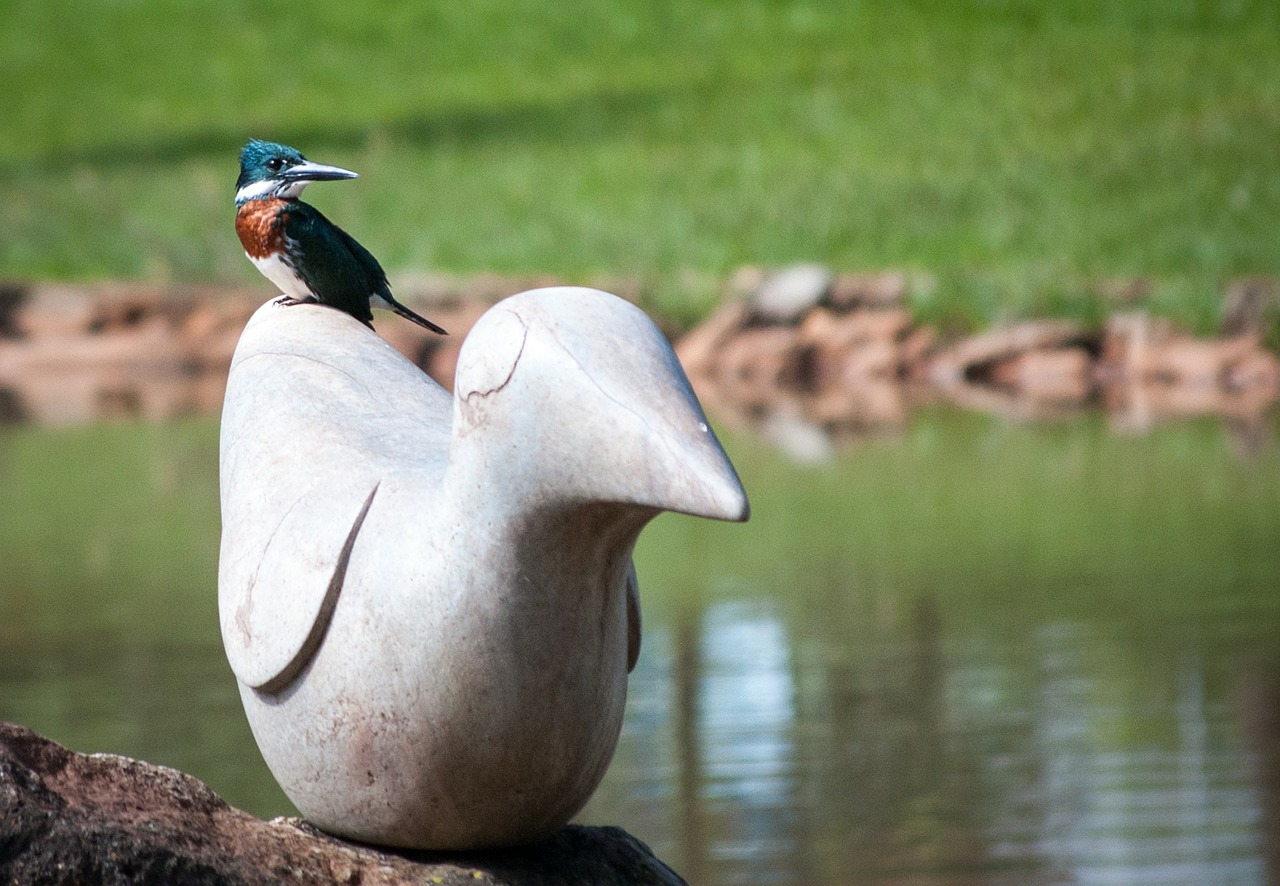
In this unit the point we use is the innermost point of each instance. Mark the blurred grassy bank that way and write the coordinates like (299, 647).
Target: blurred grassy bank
(1016, 152)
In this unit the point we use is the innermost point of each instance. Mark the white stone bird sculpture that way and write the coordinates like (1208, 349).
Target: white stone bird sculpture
(427, 600)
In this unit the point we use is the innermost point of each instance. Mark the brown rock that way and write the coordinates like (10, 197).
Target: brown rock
(54, 311)
(71, 396)
(954, 364)
(915, 349)
(1259, 369)
(1136, 408)
(433, 291)
(826, 329)
(855, 346)
(872, 360)
(1127, 340)
(870, 405)
(1060, 374)
(1137, 348)
(1246, 304)
(12, 297)
(1010, 404)
(850, 291)
(1198, 362)
(68, 818)
(699, 350)
(116, 311)
(762, 356)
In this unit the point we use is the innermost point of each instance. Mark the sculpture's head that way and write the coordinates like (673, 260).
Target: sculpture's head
(581, 390)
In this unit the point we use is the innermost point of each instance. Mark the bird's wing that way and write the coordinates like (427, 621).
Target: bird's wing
(375, 277)
(340, 271)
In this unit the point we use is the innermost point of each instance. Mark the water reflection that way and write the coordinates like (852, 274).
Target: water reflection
(813, 427)
(744, 750)
(926, 761)
(1177, 810)
(978, 654)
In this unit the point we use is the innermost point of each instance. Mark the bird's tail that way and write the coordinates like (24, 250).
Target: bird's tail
(400, 309)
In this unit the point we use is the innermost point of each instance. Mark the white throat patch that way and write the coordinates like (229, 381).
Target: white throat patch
(270, 187)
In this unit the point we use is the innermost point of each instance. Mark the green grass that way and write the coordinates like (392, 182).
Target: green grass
(1012, 149)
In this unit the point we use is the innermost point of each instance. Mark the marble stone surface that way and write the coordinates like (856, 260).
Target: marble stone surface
(428, 600)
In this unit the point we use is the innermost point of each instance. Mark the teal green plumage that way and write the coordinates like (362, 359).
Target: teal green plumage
(336, 268)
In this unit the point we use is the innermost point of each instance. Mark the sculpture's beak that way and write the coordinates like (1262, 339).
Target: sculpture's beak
(690, 472)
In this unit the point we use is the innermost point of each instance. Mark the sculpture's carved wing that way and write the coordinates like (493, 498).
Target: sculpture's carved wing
(308, 434)
(276, 594)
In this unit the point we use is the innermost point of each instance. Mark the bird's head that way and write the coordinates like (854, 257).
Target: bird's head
(578, 394)
(268, 169)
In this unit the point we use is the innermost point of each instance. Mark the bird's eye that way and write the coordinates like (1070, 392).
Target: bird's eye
(274, 164)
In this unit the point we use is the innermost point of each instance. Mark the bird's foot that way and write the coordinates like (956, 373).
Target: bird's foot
(288, 301)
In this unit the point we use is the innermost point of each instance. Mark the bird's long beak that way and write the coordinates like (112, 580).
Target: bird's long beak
(315, 172)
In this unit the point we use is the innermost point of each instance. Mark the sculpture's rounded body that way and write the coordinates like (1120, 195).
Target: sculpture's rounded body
(479, 712)
(429, 602)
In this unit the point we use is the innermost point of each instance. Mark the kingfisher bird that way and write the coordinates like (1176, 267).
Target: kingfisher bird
(299, 250)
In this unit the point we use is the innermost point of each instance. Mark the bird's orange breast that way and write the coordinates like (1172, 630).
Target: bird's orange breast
(260, 226)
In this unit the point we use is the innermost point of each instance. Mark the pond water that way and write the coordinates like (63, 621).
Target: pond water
(976, 653)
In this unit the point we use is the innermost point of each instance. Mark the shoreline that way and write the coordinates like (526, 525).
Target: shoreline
(839, 355)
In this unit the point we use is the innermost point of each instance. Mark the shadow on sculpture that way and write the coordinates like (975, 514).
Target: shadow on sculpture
(428, 600)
